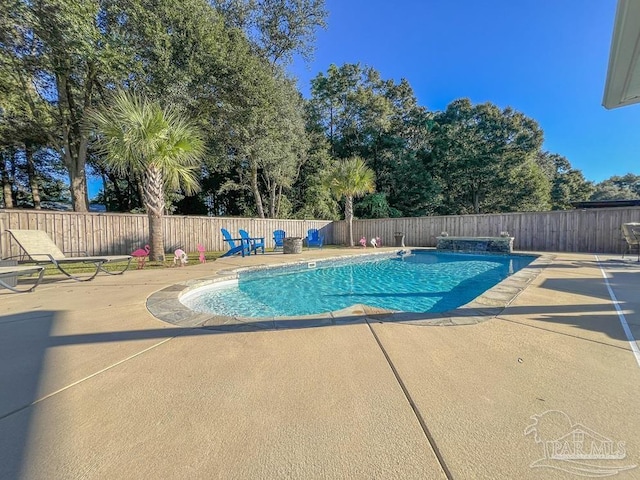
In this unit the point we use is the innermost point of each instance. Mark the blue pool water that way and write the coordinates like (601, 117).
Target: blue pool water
(422, 281)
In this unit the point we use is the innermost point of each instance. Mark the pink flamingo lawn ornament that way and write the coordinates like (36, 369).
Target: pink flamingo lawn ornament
(180, 256)
(201, 250)
(141, 254)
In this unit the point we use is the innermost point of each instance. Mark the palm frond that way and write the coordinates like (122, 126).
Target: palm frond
(136, 134)
(351, 178)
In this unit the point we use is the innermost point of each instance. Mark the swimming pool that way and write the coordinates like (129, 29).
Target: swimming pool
(422, 281)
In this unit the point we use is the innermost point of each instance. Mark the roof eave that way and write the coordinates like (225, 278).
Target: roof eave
(622, 73)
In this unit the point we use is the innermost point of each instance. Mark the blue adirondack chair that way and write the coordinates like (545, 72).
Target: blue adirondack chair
(314, 239)
(240, 247)
(254, 242)
(278, 239)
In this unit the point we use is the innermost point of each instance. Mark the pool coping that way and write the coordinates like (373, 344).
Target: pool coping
(165, 304)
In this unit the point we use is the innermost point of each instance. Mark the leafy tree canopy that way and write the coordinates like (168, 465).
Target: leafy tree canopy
(278, 29)
(626, 187)
(483, 159)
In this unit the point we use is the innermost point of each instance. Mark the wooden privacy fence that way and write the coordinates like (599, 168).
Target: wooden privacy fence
(113, 234)
(588, 231)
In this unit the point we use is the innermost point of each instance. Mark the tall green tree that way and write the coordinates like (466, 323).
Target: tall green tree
(29, 170)
(25, 118)
(567, 184)
(350, 106)
(278, 29)
(380, 121)
(69, 55)
(178, 53)
(416, 192)
(267, 143)
(160, 145)
(181, 54)
(484, 159)
(351, 178)
(57, 52)
(375, 205)
(287, 145)
(251, 114)
(625, 187)
(310, 195)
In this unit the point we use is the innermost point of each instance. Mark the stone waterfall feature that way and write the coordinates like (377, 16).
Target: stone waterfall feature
(475, 244)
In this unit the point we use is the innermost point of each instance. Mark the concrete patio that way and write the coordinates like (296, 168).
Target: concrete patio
(93, 386)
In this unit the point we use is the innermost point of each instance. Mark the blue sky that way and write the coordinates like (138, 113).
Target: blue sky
(545, 58)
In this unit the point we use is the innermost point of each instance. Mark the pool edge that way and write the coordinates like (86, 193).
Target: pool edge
(165, 304)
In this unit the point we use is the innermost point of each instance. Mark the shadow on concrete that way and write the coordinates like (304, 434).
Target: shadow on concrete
(24, 340)
(577, 286)
(603, 321)
(26, 337)
(591, 288)
(600, 317)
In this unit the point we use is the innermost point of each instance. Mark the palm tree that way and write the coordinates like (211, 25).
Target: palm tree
(161, 145)
(351, 178)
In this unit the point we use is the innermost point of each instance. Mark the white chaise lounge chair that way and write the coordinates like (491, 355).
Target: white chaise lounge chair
(40, 249)
(9, 274)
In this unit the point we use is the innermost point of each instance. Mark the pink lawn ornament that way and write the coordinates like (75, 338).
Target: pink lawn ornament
(180, 256)
(201, 250)
(141, 254)
(363, 242)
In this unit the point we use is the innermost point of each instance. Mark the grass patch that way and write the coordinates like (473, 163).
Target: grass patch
(76, 268)
(80, 268)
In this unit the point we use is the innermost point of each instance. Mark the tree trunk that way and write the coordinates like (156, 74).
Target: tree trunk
(348, 215)
(33, 180)
(272, 200)
(78, 185)
(122, 200)
(107, 198)
(256, 190)
(154, 201)
(75, 141)
(476, 202)
(331, 128)
(278, 204)
(139, 183)
(6, 183)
